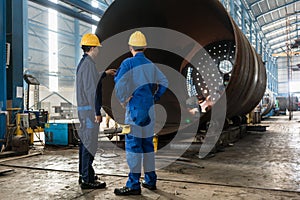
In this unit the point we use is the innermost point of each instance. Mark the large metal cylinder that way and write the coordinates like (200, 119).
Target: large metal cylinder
(206, 22)
(268, 103)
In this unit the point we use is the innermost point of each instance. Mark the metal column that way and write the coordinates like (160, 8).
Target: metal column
(77, 42)
(15, 29)
(2, 68)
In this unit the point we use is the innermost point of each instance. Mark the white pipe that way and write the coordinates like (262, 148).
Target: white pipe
(6, 114)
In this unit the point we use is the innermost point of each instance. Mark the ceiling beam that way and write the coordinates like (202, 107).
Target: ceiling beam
(274, 22)
(284, 54)
(294, 32)
(85, 7)
(66, 11)
(275, 9)
(283, 28)
(255, 2)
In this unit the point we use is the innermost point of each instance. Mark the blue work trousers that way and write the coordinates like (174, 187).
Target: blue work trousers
(88, 134)
(140, 150)
(86, 170)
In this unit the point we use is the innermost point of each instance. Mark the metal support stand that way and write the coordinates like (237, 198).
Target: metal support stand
(289, 53)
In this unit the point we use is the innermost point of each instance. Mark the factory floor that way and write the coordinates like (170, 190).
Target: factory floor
(261, 165)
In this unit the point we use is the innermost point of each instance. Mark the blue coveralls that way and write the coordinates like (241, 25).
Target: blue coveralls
(87, 79)
(139, 77)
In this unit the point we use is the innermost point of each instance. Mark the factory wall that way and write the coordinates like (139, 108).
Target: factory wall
(53, 54)
(283, 75)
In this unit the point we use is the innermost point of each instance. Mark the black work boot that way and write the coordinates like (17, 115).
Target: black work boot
(80, 179)
(94, 185)
(150, 187)
(124, 191)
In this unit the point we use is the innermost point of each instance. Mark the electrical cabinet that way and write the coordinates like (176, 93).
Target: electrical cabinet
(61, 134)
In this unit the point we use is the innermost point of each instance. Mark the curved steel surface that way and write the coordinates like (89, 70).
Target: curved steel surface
(209, 24)
(267, 103)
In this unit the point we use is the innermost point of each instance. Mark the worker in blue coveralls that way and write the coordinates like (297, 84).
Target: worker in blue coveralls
(139, 83)
(89, 102)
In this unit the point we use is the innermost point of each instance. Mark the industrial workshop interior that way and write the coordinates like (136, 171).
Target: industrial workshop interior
(209, 108)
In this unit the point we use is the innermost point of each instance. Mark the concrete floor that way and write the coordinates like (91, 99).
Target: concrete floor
(261, 165)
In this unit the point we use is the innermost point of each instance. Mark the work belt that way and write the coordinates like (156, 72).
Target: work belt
(82, 108)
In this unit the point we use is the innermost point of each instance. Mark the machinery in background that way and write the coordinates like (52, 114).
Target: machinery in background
(20, 136)
(222, 47)
(282, 104)
(66, 134)
(293, 103)
(66, 110)
(61, 134)
(285, 105)
(17, 139)
(20, 133)
(269, 105)
(32, 120)
(210, 48)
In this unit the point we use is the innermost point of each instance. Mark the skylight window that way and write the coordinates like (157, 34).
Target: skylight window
(53, 49)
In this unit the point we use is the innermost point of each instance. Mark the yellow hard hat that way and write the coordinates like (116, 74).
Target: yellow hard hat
(90, 39)
(137, 39)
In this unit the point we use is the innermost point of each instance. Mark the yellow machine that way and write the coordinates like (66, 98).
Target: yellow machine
(20, 135)
(16, 138)
(28, 121)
